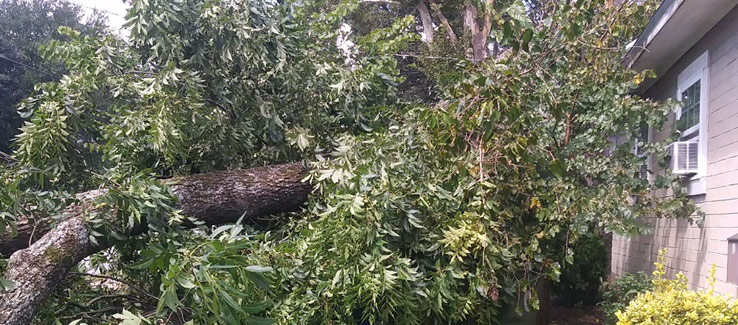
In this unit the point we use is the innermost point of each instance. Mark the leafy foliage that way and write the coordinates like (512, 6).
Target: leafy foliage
(422, 213)
(215, 272)
(617, 294)
(476, 199)
(671, 302)
(204, 86)
(580, 281)
(24, 25)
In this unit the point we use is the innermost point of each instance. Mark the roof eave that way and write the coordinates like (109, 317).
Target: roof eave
(676, 27)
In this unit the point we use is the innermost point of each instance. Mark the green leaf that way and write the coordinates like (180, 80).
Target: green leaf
(259, 269)
(141, 264)
(573, 31)
(507, 30)
(257, 307)
(558, 168)
(128, 318)
(185, 282)
(259, 280)
(229, 300)
(6, 284)
(527, 36)
(170, 298)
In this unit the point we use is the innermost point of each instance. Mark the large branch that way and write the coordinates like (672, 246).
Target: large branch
(191, 190)
(29, 230)
(479, 32)
(425, 18)
(449, 30)
(214, 198)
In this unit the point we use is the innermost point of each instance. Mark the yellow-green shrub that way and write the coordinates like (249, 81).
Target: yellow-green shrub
(671, 302)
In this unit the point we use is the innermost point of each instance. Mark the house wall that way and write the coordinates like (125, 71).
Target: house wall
(693, 249)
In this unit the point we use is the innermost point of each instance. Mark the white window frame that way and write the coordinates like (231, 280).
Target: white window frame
(698, 70)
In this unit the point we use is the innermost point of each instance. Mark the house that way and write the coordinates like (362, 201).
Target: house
(692, 45)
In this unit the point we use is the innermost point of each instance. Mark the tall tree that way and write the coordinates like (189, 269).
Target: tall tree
(24, 26)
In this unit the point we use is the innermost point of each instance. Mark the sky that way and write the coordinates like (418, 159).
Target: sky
(114, 9)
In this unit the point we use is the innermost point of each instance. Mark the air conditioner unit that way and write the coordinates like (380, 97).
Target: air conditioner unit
(684, 157)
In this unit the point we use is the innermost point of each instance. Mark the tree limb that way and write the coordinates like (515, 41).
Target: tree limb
(213, 198)
(6, 158)
(106, 277)
(479, 33)
(425, 18)
(208, 197)
(449, 30)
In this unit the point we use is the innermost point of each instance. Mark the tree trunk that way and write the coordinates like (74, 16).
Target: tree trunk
(543, 317)
(227, 197)
(29, 231)
(425, 18)
(213, 198)
(478, 28)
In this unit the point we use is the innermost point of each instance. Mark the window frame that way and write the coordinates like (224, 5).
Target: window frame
(682, 88)
(698, 70)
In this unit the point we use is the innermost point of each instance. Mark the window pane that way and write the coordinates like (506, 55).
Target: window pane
(642, 138)
(691, 107)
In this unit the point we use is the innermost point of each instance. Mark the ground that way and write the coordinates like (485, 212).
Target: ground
(584, 315)
(587, 315)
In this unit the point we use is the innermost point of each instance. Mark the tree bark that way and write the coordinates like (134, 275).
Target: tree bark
(479, 29)
(543, 317)
(213, 198)
(209, 197)
(449, 30)
(29, 230)
(425, 18)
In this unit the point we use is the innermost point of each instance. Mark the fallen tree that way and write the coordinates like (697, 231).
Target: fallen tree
(28, 230)
(213, 198)
(428, 214)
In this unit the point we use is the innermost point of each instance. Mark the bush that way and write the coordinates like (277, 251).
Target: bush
(579, 282)
(671, 302)
(616, 295)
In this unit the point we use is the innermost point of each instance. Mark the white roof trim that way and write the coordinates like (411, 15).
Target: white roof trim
(675, 28)
(657, 22)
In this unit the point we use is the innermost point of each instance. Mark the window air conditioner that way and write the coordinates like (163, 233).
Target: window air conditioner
(684, 157)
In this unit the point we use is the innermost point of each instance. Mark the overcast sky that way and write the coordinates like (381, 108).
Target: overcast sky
(114, 9)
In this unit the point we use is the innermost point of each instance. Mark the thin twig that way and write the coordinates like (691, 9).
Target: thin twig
(29, 67)
(380, 1)
(114, 296)
(8, 159)
(403, 55)
(100, 276)
(89, 314)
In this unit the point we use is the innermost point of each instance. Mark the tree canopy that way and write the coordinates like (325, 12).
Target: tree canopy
(444, 186)
(24, 25)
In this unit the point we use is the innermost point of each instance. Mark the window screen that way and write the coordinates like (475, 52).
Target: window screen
(691, 107)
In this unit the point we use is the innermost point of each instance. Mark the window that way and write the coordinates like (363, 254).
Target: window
(692, 91)
(642, 139)
(690, 117)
